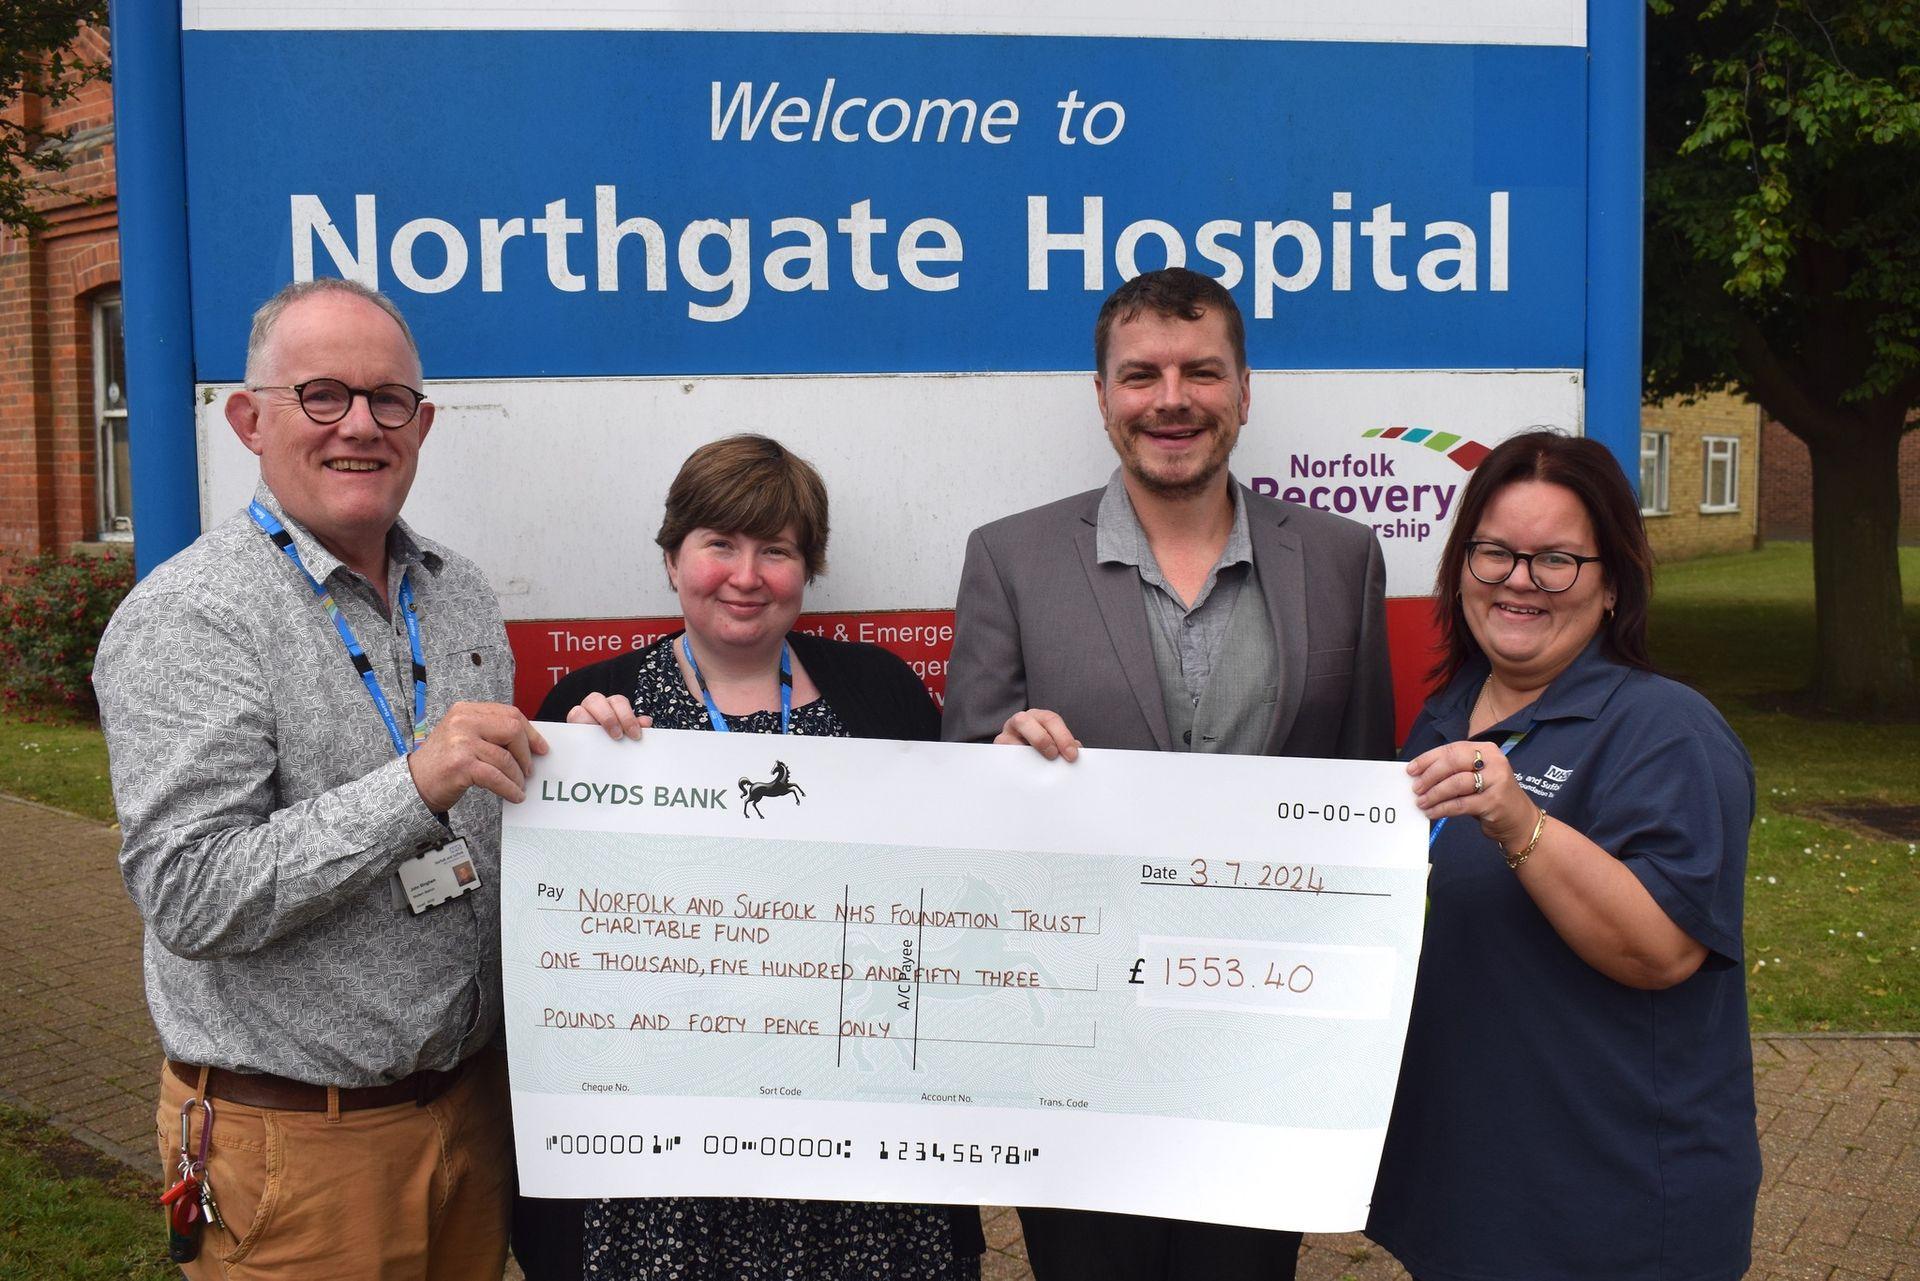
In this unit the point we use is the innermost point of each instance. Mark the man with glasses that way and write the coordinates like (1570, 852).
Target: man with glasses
(309, 722)
(1173, 610)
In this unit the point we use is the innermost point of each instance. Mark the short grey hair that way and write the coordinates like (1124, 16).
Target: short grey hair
(273, 308)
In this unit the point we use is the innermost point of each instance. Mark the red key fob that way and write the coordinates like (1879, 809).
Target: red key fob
(183, 1220)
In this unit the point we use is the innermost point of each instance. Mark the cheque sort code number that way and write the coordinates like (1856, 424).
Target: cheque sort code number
(1232, 972)
(1300, 811)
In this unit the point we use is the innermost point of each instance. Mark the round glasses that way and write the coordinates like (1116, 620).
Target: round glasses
(1493, 564)
(327, 400)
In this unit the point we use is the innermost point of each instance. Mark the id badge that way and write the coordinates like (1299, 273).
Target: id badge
(431, 879)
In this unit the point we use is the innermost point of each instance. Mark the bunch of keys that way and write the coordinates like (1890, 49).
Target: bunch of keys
(189, 1202)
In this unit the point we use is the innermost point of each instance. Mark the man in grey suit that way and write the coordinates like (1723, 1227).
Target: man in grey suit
(1173, 610)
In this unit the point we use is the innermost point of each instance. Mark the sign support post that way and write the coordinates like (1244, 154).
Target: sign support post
(1616, 147)
(150, 154)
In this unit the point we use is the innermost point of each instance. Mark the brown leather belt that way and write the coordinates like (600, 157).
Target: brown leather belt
(279, 1094)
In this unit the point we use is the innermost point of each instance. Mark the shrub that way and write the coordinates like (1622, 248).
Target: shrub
(52, 611)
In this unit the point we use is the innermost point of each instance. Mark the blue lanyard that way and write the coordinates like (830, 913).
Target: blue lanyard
(713, 709)
(1506, 749)
(277, 532)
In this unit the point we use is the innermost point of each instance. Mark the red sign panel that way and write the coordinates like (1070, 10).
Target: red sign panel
(547, 649)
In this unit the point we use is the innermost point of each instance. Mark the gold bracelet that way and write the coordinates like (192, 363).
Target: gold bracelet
(1515, 860)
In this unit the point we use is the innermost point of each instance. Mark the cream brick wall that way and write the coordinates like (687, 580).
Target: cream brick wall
(1684, 531)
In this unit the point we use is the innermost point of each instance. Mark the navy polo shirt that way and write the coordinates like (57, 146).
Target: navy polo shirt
(1551, 1123)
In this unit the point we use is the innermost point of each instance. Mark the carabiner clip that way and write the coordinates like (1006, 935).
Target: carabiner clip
(197, 1162)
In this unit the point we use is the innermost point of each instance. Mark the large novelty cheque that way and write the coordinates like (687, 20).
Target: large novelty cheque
(1147, 982)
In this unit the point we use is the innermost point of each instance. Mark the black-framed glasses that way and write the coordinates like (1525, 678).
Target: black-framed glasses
(1493, 564)
(327, 400)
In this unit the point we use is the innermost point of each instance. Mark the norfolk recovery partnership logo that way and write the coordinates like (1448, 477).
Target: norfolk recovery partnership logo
(1404, 493)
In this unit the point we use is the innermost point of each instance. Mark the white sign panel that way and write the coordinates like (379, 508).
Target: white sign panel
(1453, 21)
(911, 464)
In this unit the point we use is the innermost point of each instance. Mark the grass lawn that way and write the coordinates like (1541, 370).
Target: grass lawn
(57, 762)
(1831, 909)
(68, 1212)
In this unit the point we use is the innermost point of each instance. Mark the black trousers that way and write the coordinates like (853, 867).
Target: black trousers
(549, 1236)
(1080, 1245)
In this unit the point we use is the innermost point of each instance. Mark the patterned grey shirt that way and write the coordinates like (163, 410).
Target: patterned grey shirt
(264, 810)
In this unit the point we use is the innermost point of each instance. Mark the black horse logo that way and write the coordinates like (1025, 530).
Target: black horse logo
(781, 784)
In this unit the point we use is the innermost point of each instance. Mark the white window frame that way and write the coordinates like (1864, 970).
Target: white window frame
(115, 526)
(1715, 450)
(1655, 447)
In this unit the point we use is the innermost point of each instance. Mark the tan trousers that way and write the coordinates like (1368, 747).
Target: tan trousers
(402, 1193)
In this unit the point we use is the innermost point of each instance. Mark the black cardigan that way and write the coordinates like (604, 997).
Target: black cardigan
(875, 694)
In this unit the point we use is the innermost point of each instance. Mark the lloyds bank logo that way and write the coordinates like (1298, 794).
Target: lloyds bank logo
(781, 784)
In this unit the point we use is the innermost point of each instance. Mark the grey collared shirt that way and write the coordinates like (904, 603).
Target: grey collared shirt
(264, 809)
(1215, 657)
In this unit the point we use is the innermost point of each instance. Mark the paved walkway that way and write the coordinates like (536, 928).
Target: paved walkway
(1839, 1116)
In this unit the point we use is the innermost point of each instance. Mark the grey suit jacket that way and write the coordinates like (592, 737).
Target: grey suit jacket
(1041, 623)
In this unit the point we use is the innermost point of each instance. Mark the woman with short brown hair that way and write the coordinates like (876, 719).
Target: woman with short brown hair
(745, 532)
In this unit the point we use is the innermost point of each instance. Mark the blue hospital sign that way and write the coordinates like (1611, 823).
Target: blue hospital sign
(620, 203)
(622, 230)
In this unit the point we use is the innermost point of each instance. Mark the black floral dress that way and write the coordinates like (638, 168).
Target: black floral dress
(743, 1238)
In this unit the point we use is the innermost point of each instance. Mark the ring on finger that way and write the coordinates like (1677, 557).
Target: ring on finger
(1479, 763)
(1479, 782)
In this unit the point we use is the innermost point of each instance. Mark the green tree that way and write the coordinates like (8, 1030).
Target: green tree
(1783, 258)
(39, 62)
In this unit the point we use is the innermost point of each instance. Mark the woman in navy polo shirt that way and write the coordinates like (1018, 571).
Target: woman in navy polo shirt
(1576, 1099)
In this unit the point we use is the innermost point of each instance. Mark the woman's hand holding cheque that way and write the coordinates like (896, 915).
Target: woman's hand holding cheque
(1474, 780)
(613, 714)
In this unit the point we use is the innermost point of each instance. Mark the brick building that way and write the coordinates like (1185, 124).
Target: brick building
(1786, 486)
(63, 470)
(1700, 468)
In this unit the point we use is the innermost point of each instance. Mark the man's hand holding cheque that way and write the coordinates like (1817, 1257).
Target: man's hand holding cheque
(486, 745)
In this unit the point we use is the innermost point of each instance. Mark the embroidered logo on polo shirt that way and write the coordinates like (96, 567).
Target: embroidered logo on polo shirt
(1546, 786)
